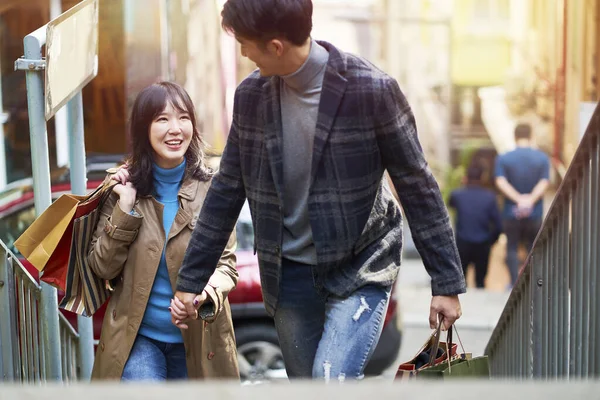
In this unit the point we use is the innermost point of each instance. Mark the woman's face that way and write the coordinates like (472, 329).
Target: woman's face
(170, 135)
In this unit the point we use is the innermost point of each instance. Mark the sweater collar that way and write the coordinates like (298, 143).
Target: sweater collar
(170, 175)
(306, 77)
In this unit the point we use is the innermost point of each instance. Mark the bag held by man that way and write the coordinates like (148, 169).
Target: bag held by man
(431, 353)
(439, 360)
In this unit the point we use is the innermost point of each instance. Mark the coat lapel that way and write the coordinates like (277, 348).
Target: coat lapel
(187, 194)
(334, 87)
(273, 132)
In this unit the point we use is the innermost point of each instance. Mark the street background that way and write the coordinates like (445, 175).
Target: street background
(471, 70)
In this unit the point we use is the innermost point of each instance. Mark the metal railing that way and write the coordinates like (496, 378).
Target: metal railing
(23, 335)
(550, 326)
(69, 339)
(21, 331)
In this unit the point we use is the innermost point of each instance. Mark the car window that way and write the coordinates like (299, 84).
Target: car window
(244, 229)
(245, 235)
(13, 225)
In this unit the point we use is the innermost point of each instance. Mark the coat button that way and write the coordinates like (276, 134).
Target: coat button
(211, 355)
(114, 314)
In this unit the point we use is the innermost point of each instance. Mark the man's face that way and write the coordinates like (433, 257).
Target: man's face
(264, 55)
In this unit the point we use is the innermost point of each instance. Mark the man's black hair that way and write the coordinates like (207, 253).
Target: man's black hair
(263, 20)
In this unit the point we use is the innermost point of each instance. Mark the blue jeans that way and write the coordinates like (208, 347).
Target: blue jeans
(151, 360)
(519, 231)
(325, 336)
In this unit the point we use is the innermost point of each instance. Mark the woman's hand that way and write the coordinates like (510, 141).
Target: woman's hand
(127, 195)
(122, 175)
(184, 306)
(124, 189)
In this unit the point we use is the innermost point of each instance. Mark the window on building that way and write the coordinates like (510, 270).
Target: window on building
(490, 15)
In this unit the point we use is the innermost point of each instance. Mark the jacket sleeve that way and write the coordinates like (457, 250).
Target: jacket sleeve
(114, 233)
(418, 191)
(225, 277)
(217, 218)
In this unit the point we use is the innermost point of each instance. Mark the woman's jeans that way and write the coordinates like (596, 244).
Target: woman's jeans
(326, 337)
(151, 360)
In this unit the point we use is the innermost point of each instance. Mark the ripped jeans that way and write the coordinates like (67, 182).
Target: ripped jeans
(328, 338)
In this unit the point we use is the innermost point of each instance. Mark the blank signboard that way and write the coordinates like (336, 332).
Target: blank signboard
(71, 54)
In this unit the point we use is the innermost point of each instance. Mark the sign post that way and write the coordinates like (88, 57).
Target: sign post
(71, 63)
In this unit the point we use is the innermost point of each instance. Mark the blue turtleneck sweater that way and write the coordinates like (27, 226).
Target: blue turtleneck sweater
(156, 323)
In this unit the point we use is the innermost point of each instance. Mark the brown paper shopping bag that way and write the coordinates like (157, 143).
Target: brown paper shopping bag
(46, 243)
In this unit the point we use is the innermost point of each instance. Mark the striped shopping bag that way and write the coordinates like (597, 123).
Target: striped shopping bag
(85, 292)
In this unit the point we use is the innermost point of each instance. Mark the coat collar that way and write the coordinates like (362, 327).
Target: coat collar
(187, 194)
(332, 92)
(188, 189)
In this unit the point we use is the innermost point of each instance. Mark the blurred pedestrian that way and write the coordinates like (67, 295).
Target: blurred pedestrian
(141, 237)
(478, 223)
(313, 131)
(522, 175)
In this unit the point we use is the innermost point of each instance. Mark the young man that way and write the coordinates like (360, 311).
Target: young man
(478, 223)
(313, 131)
(522, 176)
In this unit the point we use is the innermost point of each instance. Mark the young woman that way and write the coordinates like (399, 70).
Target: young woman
(141, 239)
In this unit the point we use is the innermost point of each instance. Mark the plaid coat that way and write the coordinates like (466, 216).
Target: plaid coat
(364, 127)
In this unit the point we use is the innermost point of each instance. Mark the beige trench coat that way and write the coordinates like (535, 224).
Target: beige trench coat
(129, 248)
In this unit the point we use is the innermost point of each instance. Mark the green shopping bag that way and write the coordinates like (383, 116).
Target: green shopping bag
(463, 367)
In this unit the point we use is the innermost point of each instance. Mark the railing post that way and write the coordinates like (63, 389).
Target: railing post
(79, 186)
(536, 285)
(41, 183)
(595, 260)
(7, 327)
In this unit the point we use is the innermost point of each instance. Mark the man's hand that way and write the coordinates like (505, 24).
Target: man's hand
(524, 206)
(446, 308)
(185, 306)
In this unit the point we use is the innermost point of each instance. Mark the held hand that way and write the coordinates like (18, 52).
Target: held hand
(184, 306)
(127, 195)
(447, 307)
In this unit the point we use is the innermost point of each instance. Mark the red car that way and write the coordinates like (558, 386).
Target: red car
(258, 348)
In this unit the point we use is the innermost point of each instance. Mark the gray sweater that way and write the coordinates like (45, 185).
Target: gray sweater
(300, 95)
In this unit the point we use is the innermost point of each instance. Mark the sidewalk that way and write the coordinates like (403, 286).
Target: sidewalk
(481, 307)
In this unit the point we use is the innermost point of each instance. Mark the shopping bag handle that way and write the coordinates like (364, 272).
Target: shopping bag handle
(105, 188)
(436, 345)
(436, 342)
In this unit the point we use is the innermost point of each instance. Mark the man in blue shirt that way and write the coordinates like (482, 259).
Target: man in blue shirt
(478, 224)
(522, 175)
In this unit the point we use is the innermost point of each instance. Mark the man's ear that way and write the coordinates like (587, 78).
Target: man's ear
(277, 47)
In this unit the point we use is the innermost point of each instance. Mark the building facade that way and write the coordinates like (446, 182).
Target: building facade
(140, 42)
